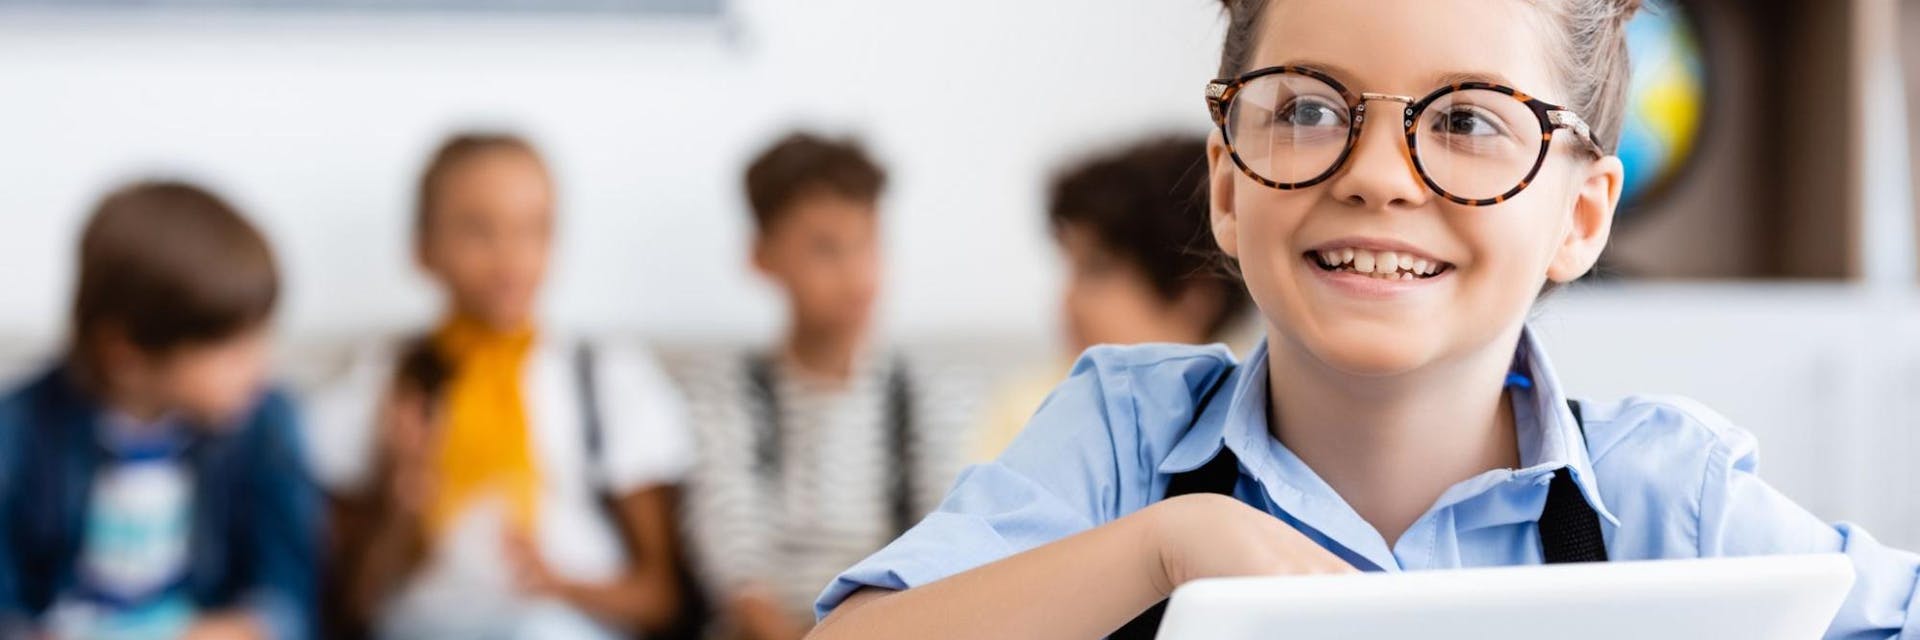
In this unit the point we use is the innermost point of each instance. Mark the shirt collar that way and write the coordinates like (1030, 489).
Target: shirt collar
(1550, 439)
(1554, 439)
(1203, 441)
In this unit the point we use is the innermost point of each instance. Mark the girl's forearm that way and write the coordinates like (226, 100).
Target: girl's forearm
(389, 555)
(639, 601)
(1084, 586)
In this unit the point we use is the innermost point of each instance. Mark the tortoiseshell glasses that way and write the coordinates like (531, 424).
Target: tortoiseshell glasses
(1474, 143)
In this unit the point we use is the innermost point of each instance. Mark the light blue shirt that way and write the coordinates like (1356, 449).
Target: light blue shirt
(1667, 477)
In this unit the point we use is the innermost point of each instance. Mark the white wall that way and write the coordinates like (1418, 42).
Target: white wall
(317, 125)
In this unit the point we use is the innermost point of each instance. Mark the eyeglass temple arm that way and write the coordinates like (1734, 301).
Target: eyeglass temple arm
(1571, 120)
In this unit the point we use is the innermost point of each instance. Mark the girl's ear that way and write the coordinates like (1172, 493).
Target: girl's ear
(1597, 194)
(1220, 179)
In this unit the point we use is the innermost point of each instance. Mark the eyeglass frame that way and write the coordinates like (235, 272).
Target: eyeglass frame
(1221, 91)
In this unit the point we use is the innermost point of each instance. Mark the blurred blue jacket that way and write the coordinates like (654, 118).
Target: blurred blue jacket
(256, 521)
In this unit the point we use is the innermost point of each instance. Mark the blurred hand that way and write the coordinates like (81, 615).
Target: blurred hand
(530, 572)
(1209, 536)
(227, 626)
(408, 438)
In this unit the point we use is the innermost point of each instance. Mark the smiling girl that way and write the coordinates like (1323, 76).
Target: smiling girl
(1398, 181)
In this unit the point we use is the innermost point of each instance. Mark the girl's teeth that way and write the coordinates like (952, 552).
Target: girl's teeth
(1386, 265)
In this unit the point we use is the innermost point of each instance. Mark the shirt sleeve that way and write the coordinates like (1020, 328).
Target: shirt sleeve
(1742, 515)
(646, 422)
(1058, 478)
(286, 527)
(13, 613)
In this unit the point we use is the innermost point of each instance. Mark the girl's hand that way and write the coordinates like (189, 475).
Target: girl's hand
(226, 626)
(409, 438)
(530, 572)
(1210, 536)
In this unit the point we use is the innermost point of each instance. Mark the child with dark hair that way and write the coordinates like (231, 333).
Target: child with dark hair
(149, 486)
(817, 451)
(1139, 264)
(1131, 224)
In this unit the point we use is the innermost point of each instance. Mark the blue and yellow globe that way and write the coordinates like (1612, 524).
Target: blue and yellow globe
(1666, 100)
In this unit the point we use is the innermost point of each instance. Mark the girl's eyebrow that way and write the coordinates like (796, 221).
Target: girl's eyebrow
(1340, 73)
(1457, 77)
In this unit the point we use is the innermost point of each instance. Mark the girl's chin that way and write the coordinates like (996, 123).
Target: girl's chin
(1373, 353)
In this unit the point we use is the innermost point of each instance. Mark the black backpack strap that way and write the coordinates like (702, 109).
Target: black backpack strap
(767, 433)
(899, 417)
(592, 429)
(690, 621)
(1219, 475)
(765, 425)
(1569, 528)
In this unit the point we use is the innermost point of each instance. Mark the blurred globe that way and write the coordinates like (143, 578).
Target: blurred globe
(1665, 100)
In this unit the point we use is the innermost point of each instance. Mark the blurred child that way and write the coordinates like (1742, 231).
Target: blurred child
(817, 451)
(149, 486)
(530, 496)
(1131, 226)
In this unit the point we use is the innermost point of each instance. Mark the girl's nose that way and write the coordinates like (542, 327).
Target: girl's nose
(1380, 172)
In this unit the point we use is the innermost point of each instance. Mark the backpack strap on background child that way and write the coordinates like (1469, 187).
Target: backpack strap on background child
(1569, 527)
(768, 432)
(695, 610)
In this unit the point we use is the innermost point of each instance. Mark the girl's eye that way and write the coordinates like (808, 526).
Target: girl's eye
(1467, 122)
(1311, 112)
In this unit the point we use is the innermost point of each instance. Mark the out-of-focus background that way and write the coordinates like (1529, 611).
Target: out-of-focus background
(1766, 265)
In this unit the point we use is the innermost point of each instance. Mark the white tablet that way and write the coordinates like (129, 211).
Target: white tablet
(1785, 597)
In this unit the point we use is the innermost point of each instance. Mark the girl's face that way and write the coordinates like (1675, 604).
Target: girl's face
(1494, 259)
(488, 239)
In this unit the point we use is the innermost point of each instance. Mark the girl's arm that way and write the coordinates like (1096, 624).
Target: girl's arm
(647, 596)
(1089, 584)
(379, 559)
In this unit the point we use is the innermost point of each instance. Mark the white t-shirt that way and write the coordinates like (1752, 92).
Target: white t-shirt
(465, 584)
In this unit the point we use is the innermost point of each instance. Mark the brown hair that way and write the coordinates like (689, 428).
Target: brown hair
(1587, 39)
(171, 265)
(456, 150)
(804, 164)
(1146, 203)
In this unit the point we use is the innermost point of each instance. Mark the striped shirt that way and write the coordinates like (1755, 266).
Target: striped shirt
(827, 500)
